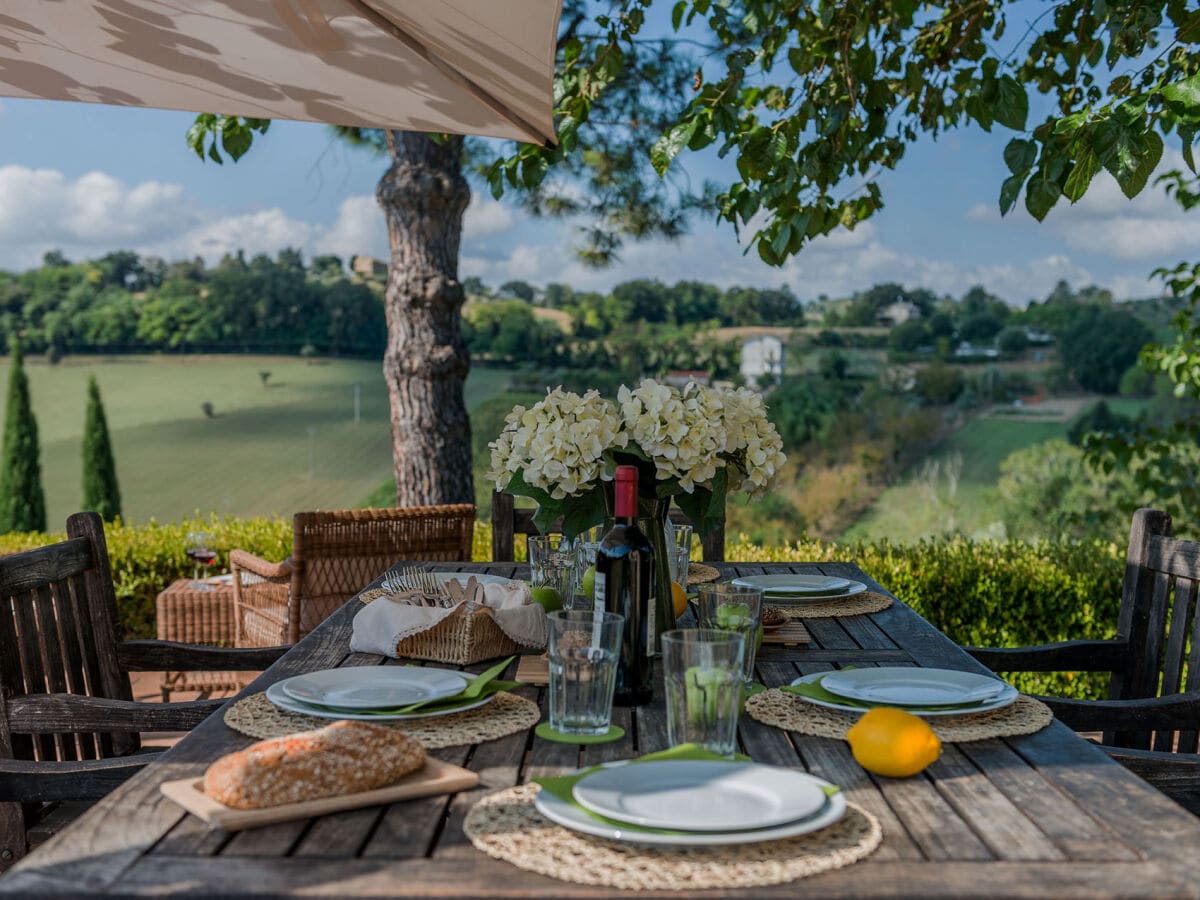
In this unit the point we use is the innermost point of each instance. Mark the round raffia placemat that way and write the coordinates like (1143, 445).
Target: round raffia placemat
(699, 573)
(858, 605)
(793, 713)
(256, 717)
(506, 826)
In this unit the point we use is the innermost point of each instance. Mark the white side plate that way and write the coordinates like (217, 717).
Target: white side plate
(698, 795)
(1006, 698)
(576, 819)
(913, 687)
(802, 588)
(374, 687)
(276, 695)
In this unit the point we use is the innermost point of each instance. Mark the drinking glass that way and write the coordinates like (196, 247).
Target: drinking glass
(584, 650)
(702, 673)
(552, 566)
(733, 607)
(587, 543)
(198, 547)
(679, 552)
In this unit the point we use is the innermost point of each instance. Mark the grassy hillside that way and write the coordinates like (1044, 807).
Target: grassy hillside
(290, 445)
(930, 502)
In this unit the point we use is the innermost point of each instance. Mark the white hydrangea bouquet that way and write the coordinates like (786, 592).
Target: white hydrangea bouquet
(694, 446)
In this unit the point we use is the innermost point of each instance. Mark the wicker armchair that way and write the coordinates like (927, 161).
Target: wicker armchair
(334, 556)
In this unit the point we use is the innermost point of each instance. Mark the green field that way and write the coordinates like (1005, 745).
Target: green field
(291, 445)
(924, 506)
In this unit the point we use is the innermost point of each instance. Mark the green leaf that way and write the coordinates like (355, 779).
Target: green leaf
(1011, 106)
(677, 14)
(1132, 179)
(1085, 169)
(667, 147)
(1187, 134)
(1020, 155)
(236, 141)
(1010, 191)
(1183, 97)
(1040, 196)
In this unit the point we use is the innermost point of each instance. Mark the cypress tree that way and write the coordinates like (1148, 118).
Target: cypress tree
(100, 490)
(22, 502)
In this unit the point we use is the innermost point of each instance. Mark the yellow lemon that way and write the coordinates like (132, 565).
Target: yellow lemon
(678, 598)
(892, 742)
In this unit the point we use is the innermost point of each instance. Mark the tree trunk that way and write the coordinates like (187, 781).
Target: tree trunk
(424, 195)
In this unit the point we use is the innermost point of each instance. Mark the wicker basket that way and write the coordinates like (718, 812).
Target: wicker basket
(461, 638)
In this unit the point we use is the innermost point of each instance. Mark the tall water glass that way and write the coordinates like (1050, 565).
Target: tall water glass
(733, 607)
(702, 673)
(552, 568)
(584, 650)
(679, 552)
(587, 542)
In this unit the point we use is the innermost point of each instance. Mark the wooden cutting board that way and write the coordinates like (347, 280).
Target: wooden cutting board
(436, 777)
(534, 669)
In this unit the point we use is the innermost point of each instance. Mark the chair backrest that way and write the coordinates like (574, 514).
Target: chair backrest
(335, 554)
(508, 521)
(1159, 622)
(58, 634)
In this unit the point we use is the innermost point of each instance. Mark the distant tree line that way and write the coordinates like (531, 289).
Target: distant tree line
(123, 302)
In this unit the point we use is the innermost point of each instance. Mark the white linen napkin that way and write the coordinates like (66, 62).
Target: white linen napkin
(383, 623)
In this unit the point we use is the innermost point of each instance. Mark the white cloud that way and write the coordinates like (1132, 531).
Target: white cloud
(265, 231)
(358, 230)
(486, 216)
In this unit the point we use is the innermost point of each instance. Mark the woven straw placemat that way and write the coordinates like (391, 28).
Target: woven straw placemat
(699, 573)
(256, 717)
(858, 605)
(506, 826)
(793, 713)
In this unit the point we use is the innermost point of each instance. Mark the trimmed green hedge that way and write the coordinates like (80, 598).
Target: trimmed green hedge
(978, 592)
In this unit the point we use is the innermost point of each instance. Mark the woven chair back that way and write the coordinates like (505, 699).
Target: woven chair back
(59, 635)
(338, 553)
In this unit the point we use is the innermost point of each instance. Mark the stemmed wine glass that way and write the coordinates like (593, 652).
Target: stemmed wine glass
(200, 551)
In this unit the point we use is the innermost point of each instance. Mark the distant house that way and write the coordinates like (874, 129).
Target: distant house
(897, 313)
(680, 378)
(367, 266)
(1038, 337)
(967, 349)
(762, 356)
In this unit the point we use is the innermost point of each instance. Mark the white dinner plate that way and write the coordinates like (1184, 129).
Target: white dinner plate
(802, 588)
(1006, 698)
(374, 687)
(701, 795)
(570, 816)
(899, 686)
(276, 695)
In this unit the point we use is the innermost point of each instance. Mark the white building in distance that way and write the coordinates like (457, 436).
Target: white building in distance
(762, 355)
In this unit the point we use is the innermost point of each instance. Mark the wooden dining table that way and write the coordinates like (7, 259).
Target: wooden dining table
(1045, 815)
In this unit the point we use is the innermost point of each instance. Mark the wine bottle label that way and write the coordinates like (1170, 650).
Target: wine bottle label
(598, 590)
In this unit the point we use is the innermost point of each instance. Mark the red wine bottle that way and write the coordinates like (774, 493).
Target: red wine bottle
(625, 585)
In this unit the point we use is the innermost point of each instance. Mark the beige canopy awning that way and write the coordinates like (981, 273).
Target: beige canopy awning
(464, 66)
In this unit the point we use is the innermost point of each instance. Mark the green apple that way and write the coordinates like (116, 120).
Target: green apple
(588, 583)
(547, 597)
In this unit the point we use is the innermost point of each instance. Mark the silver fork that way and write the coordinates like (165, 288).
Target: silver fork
(432, 588)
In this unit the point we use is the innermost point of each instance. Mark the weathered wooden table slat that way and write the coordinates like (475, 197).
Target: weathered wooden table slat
(1043, 815)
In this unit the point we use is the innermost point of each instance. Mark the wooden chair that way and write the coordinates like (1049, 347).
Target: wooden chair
(1151, 723)
(335, 555)
(68, 723)
(508, 521)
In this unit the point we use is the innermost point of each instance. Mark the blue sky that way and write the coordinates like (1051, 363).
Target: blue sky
(89, 179)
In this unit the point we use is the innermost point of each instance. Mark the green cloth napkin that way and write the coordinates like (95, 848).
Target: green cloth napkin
(563, 786)
(482, 685)
(814, 690)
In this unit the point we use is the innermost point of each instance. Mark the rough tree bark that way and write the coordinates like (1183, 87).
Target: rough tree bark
(424, 195)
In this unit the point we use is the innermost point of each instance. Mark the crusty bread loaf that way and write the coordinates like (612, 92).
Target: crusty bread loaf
(342, 758)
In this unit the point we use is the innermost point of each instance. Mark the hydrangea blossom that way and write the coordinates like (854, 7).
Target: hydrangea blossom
(558, 444)
(751, 442)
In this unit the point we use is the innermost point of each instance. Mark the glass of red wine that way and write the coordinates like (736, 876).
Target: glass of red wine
(200, 551)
